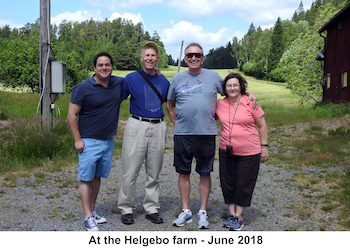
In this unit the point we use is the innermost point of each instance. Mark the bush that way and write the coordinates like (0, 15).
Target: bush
(277, 75)
(332, 109)
(26, 144)
(251, 69)
(341, 132)
(4, 113)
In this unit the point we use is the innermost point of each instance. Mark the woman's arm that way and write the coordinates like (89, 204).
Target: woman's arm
(261, 123)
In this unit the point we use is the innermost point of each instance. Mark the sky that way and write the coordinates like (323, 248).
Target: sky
(211, 23)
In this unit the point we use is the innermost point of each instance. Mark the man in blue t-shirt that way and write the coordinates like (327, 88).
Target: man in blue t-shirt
(144, 136)
(93, 120)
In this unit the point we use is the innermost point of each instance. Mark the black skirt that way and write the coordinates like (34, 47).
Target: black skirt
(238, 175)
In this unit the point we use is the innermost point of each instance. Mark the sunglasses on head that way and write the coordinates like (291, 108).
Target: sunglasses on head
(190, 55)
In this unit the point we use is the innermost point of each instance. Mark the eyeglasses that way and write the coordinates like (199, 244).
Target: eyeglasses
(232, 86)
(197, 55)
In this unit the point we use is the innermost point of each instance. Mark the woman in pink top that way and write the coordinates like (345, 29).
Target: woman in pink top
(242, 147)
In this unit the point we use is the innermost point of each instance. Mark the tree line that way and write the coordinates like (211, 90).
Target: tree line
(284, 53)
(74, 43)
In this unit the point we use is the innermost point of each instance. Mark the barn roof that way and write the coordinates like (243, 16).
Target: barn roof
(334, 18)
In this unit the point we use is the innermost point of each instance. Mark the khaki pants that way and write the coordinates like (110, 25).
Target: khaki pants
(143, 141)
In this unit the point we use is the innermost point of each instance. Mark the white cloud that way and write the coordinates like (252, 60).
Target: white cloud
(173, 35)
(186, 30)
(78, 16)
(253, 11)
(81, 16)
(135, 18)
(11, 24)
(264, 27)
(196, 8)
(116, 5)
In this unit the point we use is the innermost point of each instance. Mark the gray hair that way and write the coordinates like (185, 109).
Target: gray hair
(148, 47)
(194, 44)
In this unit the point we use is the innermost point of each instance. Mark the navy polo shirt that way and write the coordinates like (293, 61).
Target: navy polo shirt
(99, 114)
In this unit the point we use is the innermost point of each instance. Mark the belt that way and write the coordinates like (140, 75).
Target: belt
(151, 120)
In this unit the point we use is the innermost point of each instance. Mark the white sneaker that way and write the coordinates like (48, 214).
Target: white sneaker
(183, 219)
(98, 219)
(90, 224)
(203, 222)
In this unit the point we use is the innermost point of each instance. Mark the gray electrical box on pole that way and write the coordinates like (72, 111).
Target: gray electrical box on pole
(58, 77)
(45, 65)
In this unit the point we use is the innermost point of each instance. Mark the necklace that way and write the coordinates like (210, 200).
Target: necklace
(200, 78)
(230, 127)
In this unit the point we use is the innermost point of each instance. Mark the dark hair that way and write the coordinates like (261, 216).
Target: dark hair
(102, 54)
(242, 82)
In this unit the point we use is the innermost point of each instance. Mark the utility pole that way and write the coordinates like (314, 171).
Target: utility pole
(179, 63)
(45, 64)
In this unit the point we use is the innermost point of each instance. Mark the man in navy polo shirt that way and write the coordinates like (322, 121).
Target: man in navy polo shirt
(93, 120)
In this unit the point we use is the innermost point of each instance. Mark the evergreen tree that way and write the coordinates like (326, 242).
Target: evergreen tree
(277, 46)
(5, 32)
(123, 55)
(248, 44)
(300, 11)
(235, 51)
(171, 61)
(220, 58)
(261, 53)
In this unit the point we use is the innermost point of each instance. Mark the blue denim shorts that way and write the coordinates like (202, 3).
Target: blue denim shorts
(96, 159)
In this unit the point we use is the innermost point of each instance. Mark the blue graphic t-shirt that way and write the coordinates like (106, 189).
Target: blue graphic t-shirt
(144, 101)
